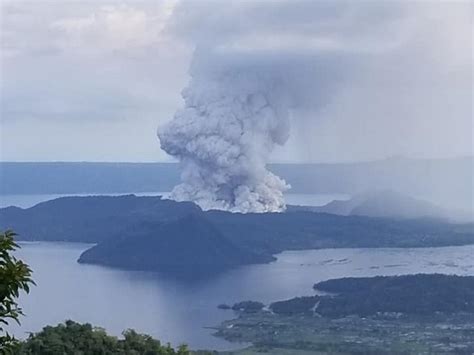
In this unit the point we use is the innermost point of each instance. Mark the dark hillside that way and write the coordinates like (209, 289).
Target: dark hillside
(89, 219)
(191, 243)
(409, 294)
(151, 227)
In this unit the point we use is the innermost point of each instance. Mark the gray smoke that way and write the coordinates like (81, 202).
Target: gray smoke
(237, 108)
(354, 79)
(242, 94)
(257, 67)
(232, 119)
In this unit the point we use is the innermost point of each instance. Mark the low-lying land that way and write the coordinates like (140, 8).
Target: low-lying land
(416, 314)
(149, 233)
(408, 294)
(275, 334)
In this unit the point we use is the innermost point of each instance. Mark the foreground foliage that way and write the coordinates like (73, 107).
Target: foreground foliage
(71, 338)
(15, 277)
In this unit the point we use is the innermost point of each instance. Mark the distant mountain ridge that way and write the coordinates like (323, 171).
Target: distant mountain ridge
(446, 182)
(388, 204)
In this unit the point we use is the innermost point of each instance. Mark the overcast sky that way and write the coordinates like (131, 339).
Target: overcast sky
(92, 80)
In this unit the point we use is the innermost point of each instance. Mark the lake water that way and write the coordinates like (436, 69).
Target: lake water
(178, 311)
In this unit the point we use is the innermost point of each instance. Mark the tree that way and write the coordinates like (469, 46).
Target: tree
(15, 277)
(71, 338)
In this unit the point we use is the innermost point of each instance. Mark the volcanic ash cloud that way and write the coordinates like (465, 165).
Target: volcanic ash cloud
(223, 137)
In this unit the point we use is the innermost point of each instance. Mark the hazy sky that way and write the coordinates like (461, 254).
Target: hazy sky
(92, 80)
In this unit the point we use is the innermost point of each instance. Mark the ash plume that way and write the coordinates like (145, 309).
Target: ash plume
(232, 119)
(348, 77)
(244, 89)
(237, 108)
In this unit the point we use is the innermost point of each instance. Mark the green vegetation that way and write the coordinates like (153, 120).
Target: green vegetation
(248, 306)
(297, 305)
(15, 277)
(412, 314)
(409, 294)
(421, 294)
(307, 334)
(71, 338)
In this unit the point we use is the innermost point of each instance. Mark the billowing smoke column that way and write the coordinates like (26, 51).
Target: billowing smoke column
(231, 121)
(335, 65)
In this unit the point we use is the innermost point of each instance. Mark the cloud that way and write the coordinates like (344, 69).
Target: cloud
(114, 27)
(385, 79)
(306, 24)
(75, 61)
(255, 63)
(392, 77)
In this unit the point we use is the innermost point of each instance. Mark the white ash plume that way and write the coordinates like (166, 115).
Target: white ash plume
(223, 137)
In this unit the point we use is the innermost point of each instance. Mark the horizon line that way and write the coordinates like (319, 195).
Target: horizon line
(392, 158)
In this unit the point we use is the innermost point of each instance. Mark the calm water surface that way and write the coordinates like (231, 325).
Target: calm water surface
(178, 310)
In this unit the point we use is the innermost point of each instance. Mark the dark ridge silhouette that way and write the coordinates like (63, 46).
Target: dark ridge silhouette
(191, 242)
(447, 182)
(421, 294)
(152, 229)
